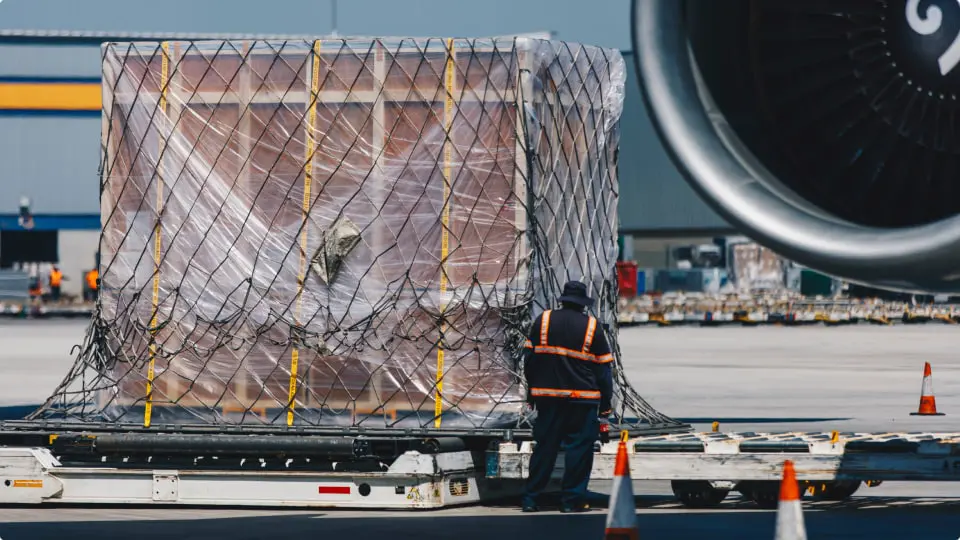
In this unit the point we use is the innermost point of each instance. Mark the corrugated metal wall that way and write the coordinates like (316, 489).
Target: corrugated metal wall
(53, 160)
(35, 60)
(654, 197)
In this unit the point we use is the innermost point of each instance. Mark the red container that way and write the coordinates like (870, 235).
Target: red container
(627, 278)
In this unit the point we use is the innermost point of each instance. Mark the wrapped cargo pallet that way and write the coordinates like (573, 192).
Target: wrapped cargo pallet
(757, 268)
(344, 232)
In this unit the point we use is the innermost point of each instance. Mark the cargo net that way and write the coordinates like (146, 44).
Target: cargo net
(345, 233)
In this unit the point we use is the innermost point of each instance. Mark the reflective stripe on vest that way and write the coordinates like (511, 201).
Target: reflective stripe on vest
(544, 327)
(557, 392)
(583, 354)
(570, 353)
(591, 330)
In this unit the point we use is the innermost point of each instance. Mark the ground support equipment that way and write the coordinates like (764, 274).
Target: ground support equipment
(705, 467)
(422, 469)
(76, 463)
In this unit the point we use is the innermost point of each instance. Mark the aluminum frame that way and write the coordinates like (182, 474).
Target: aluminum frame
(736, 457)
(413, 481)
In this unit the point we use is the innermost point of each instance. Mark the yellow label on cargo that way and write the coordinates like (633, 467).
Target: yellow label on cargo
(28, 483)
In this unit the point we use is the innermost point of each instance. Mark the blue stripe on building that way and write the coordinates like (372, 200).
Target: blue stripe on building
(6, 113)
(53, 222)
(48, 80)
(64, 41)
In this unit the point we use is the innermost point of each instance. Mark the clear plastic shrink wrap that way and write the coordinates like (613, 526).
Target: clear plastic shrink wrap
(758, 268)
(350, 232)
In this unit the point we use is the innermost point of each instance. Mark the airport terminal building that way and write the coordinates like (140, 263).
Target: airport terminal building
(50, 103)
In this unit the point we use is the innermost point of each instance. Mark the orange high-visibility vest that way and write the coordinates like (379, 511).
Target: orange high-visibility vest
(92, 277)
(56, 277)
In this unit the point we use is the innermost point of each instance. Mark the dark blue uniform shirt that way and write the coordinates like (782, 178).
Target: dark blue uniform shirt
(568, 358)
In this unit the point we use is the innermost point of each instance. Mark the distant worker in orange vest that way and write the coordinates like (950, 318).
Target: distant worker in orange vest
(56, 278)
(92, 277)
(36, 292)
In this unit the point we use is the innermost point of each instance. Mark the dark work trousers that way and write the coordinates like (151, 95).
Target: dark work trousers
(574, 427)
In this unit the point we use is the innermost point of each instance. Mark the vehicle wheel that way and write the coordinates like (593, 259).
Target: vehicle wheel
(766, 495)
(698, 493)
(839, 490)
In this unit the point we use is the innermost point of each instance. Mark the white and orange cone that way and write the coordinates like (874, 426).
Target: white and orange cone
(622, 516)
(928, 403)
(789, 511)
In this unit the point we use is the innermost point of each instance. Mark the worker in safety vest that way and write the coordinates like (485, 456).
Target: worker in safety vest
(570, 384)
(92, 277)
(56, 279)
(36, 292)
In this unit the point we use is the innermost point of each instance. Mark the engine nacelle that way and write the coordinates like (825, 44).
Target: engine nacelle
(826, 130)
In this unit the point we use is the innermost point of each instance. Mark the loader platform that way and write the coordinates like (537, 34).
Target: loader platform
(704, 467)
(419, 469)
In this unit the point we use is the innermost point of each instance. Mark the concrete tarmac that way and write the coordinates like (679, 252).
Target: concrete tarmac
(861, 378)
(854, 378)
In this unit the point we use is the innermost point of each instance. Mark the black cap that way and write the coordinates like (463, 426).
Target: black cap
(575, 292)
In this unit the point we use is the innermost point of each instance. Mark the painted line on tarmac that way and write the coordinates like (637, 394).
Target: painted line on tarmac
(752, 420)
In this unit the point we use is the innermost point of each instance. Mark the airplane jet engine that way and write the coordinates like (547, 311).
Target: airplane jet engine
(826, 130)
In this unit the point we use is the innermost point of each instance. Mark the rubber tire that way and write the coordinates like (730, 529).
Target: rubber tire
(840, 490)
(698, 493)
(766, 495)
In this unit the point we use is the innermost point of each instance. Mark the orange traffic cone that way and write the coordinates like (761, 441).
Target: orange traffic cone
(622, 516)
(928, 403)
(789, 511)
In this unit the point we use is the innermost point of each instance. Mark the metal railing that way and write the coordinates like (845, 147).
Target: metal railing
(14, 285)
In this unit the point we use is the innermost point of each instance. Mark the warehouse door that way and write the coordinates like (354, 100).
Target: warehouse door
(28, 247)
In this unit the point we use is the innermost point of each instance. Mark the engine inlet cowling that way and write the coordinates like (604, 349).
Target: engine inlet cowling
(827, 130)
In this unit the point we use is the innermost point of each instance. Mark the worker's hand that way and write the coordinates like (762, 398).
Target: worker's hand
(528, 408)
(604, 429)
